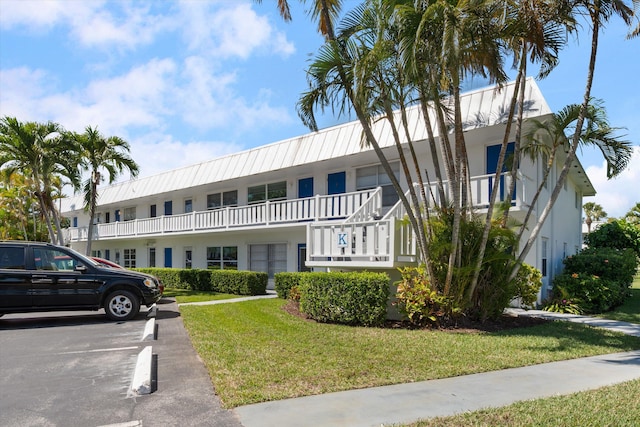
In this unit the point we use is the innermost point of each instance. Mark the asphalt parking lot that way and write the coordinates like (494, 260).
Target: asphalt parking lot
(76, 369)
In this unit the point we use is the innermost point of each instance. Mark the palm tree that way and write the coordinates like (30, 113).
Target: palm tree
(95, 154)
(593, 212)
(633, 216)
(35, 149)
(599, 13)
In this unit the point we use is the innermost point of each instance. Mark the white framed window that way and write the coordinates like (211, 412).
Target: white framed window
(188, 258)
(129, 258)
(129, 214)
(226, 198)
(222, 257)
(188, 205)
(374, 176)
(152, 257)
(263, 192)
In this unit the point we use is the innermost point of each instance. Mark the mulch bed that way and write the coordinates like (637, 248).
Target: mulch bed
(458, 325)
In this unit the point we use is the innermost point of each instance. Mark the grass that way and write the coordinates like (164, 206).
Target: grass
(184, 295)
(258, 352)
(630, 310)
(616, 405)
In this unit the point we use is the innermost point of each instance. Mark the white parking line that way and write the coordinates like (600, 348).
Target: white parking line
(99, 350)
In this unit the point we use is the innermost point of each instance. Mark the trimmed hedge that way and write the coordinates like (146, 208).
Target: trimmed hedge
(285, 281)
(348, 298)
(222, 281)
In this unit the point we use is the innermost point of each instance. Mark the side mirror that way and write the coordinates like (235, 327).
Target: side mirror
(81, 268)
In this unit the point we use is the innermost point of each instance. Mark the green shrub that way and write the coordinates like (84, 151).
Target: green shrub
(239, 282)
(591, 293)
(170, 277)
(347, 298)
(417, 300)
(617, 265)
(222, 281)
(620, 234)
(285, 281)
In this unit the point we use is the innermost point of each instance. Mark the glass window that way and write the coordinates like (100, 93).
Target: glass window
(217, 200)
(230, 198)
(222, 257)
(273, 191)
(257, 194)
(12, 258)
(188, 258)
(188, 206)
(52, 259)
(277, 190)
(213, 201)
(129, 258)
(153, 211)
(374, 176)
(129, 214)
(152, 257)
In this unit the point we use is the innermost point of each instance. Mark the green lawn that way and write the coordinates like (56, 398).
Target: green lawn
(184, 295)
(616, 405)
(258, 352)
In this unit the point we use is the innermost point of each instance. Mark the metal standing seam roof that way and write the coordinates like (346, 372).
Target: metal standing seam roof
(480, 108)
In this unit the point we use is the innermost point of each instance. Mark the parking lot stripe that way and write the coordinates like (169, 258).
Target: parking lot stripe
(99, 350)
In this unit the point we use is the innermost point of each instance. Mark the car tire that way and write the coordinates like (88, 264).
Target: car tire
(121, 305)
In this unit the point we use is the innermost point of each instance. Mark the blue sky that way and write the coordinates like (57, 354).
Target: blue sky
(188, 81)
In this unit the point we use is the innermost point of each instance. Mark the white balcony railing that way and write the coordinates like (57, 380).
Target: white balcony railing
(365, 241)
(316, 208)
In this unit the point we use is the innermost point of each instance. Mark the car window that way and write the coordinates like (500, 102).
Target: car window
(12, 258)
(52, 259)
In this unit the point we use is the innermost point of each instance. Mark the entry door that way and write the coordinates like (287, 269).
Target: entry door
(167, 257)
(337, 183)
(305, 188)
(269, 258)
(493, 152)
(168, 207)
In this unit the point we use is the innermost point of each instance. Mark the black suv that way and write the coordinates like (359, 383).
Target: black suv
(38, 276)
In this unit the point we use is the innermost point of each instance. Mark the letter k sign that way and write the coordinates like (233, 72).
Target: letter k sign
(343, 239)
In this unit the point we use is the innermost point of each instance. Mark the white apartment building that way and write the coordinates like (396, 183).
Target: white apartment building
(317, 201)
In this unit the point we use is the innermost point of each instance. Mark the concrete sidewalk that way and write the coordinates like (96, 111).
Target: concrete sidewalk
(406, 403)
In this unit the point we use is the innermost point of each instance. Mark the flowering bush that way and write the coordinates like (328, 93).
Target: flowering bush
(579, 292)
(618, 265)
(418, 301)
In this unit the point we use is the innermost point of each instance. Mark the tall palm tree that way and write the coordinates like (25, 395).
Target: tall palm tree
(35, 149)
(592, 212)
(97, 154)
(599, 12)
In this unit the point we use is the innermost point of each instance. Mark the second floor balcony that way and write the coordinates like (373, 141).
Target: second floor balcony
(269, 213)
(322, 211)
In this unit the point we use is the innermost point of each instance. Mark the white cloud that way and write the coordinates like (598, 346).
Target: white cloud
(36, 15)
(230, 30)
(156, 153)
(617, 195)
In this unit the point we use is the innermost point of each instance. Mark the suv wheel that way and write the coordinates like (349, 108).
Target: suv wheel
(121, 305)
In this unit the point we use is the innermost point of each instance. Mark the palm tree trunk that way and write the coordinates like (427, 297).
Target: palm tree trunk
(572, 150)
(495, 189)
